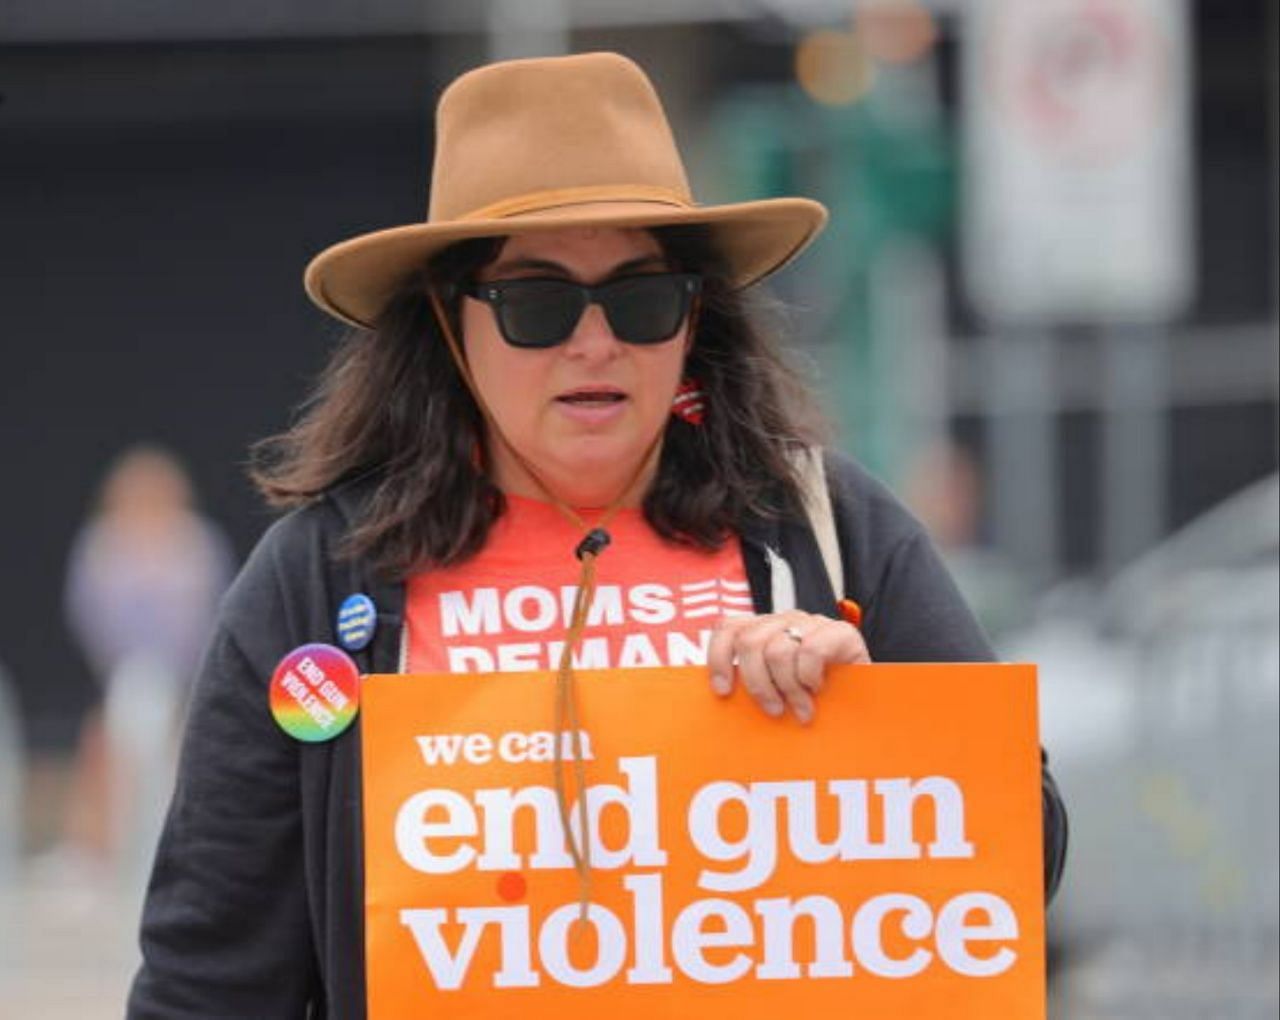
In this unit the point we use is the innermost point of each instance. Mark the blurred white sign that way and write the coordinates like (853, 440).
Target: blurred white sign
(1078, 200)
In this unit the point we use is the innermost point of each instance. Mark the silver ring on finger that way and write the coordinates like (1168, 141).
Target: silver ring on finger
(794, 633)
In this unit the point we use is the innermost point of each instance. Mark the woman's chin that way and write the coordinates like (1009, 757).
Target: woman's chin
(595, 473)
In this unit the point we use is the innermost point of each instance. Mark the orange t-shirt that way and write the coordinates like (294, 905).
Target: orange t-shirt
(507, 609)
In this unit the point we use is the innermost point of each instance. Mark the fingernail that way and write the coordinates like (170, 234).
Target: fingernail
(720, 683)
(773, 708)
(805, 715)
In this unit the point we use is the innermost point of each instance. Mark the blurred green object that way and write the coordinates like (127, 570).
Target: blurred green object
(885, 168)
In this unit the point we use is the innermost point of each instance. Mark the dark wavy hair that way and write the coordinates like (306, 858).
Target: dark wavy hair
(391, 403)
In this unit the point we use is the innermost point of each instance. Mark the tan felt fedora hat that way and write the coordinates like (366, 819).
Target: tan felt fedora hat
(540, 144)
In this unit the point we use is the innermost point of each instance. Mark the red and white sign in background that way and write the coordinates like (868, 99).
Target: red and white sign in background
(1078, 199)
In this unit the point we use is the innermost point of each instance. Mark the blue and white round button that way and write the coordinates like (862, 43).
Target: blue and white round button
(357, 620)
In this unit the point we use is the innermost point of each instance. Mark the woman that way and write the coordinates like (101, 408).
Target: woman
(143, 579)
(558, 360)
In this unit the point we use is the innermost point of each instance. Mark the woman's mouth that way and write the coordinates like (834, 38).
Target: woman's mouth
(589, 396)
(592, 405)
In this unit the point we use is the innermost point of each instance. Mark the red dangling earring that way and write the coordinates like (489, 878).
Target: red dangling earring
(690, 402)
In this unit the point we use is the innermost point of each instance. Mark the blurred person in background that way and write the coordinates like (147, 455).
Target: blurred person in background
(11, 759)
(943, 487)
(143, 581)
(557, 367)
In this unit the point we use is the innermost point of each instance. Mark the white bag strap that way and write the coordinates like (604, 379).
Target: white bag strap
(782, 583)
(817, 504)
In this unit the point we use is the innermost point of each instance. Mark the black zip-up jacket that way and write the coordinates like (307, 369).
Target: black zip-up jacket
(255, 907)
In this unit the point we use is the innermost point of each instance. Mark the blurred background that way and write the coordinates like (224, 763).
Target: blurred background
(1045, 312)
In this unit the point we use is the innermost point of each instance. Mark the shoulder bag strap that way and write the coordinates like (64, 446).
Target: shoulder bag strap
(817, 504)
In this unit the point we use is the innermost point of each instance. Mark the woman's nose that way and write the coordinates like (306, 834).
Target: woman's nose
(593, 337)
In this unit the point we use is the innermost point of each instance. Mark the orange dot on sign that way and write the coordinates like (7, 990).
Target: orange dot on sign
(512, 886)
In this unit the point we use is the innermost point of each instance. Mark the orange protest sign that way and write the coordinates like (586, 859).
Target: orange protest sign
(883, 862)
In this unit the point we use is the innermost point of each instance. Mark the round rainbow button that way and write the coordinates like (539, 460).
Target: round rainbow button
(315, 692)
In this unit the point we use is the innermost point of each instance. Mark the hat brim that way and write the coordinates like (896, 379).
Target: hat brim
(354, 279)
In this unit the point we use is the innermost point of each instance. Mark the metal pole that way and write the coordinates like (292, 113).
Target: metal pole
(1135, 442)
(1021, 400)
(528, 28)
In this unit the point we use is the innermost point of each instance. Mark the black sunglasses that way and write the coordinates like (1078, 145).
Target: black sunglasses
(645, 309)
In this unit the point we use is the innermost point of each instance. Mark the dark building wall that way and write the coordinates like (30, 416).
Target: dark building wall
(157, 206)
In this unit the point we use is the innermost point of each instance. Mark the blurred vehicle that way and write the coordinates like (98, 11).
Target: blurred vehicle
(1161, 712)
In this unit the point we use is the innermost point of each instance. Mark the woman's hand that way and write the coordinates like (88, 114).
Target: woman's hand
(781, 658)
